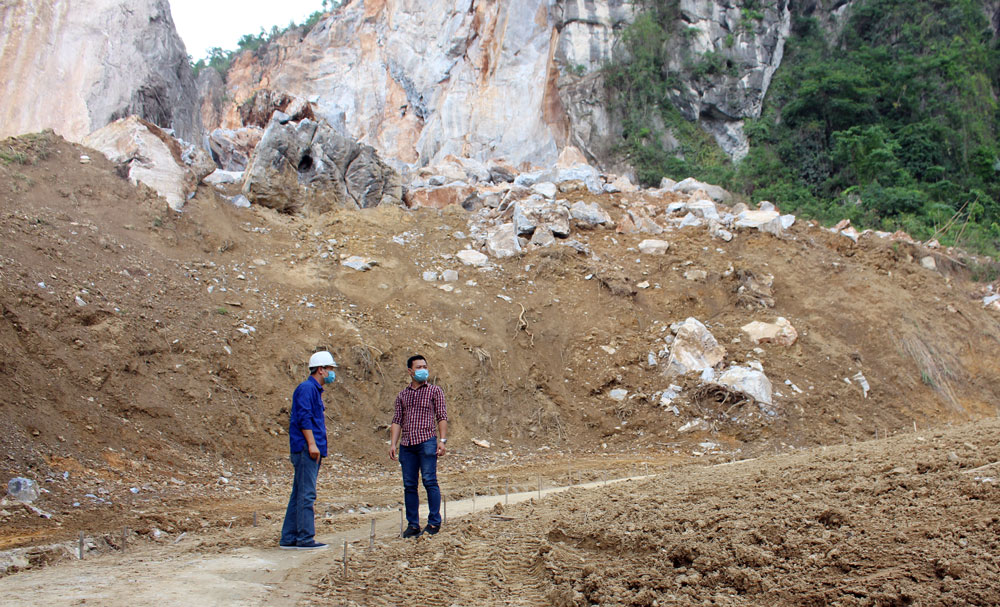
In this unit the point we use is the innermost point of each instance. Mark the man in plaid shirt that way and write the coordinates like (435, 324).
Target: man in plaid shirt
(418, 435)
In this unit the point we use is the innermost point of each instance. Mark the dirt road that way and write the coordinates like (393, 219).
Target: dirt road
(256, 573)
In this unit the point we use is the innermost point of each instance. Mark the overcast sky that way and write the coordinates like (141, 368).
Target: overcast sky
(203, 24)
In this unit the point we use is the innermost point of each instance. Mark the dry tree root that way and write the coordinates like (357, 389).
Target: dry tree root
(366, 360)
(522, 325)
(721, 395)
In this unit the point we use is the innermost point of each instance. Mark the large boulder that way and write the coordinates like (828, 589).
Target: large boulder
(307, 166)
(536, 211)
(232, 148)
(748, 381)
(502, 241)
(589, 215)
(765, 221)
(694, 349)
(151, 156)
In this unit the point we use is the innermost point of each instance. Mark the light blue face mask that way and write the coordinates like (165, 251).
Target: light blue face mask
(420, 375)
(330, 377)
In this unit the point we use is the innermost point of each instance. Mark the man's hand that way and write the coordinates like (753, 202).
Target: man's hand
(392, 451)
(441, 449)
(313, 452)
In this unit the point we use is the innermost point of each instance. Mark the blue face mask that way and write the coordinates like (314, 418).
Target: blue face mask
(420, 375)
(330, 377)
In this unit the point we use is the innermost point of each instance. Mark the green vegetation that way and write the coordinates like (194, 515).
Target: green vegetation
(894, 125)
(220, 60)
(26, 149)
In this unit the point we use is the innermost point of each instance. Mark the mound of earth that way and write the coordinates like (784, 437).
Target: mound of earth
(149, 356)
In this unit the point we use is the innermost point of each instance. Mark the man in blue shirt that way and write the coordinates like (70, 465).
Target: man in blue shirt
(307, 443)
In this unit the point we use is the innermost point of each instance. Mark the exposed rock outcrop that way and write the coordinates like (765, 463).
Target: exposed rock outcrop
(744, 50)
(307, 166)
(421, 80)
(76, 66)
(153, 157)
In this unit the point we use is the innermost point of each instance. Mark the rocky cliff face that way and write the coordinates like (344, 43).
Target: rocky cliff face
(74, 66)
(421, 79)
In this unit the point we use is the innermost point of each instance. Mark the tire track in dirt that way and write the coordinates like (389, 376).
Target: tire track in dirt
(506, 571)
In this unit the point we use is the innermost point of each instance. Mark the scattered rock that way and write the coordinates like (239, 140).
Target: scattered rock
(654, 247)
(618, 394)
(542, 237)
(22, 489)
(589, 215)
(358, 263)
(472, 258)
(689, 185)
(546, 189)
(456, 193)
(928, 262)
(780, 332)
(502, 241)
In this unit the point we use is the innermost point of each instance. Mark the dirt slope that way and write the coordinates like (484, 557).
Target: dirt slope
(912, 520)
(195, 328)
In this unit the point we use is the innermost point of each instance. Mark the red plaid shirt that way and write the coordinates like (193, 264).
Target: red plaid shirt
(417, 412)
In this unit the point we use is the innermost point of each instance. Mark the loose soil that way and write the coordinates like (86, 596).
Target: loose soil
(147, 359)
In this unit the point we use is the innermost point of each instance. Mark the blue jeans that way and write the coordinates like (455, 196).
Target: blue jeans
(422, 459)
(299, 526)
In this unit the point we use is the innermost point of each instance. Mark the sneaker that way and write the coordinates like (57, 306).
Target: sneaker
(412, 531)
(287, 546)
(432, 529)
(313, 545)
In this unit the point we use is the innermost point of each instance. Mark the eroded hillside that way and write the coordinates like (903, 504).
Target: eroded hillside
(148, 349)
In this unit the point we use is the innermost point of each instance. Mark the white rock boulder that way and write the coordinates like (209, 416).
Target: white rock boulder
(780, 332)
(152, 157)
(748, 381)
(694, 349)
(653, 246)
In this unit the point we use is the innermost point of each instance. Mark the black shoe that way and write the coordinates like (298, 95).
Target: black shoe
(287, 546)
(432, 529)
(313, 545)
(412, 531)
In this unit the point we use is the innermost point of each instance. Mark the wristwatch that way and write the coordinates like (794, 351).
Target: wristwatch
(443, 440)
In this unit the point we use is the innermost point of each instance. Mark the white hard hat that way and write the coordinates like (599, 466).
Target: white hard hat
(321, 359)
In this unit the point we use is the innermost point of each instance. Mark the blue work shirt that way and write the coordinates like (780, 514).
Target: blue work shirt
(307, 414)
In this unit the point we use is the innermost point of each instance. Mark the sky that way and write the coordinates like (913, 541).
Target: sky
(203, 24)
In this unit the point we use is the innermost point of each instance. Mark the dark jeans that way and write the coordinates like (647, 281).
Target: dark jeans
(422, 459)
(299, 526)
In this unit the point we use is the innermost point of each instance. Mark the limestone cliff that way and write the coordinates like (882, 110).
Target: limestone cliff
(75, 65)
(422, 79)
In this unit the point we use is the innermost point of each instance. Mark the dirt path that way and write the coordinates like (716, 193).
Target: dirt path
(258, 573)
